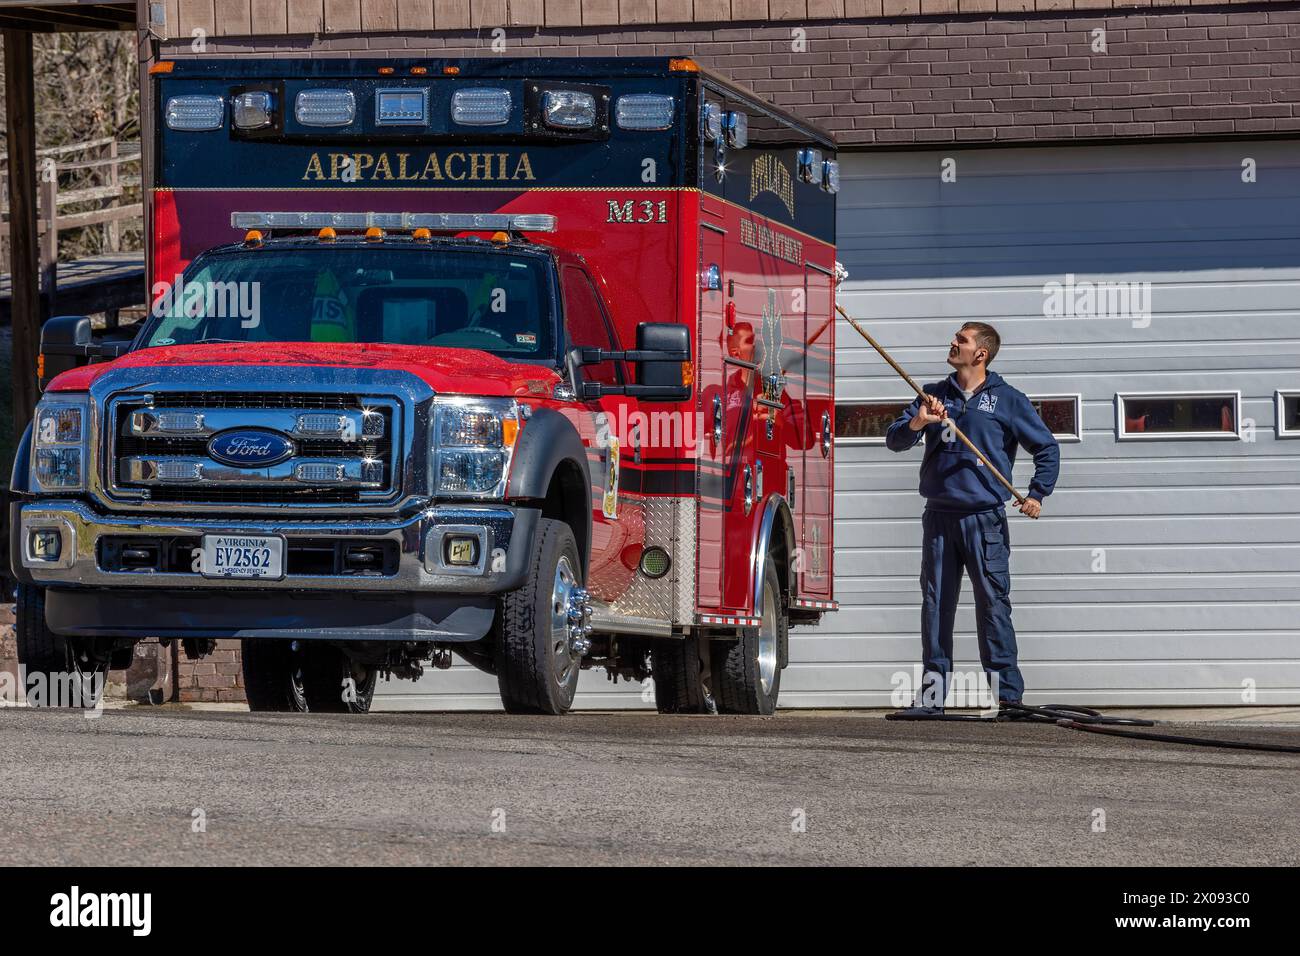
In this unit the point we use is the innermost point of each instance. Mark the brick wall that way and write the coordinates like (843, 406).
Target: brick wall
(1228, 71)
(279, 17)
(8, 650)
(147, 680)
(217, 677)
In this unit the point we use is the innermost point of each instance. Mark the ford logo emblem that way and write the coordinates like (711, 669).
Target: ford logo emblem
(249, 448)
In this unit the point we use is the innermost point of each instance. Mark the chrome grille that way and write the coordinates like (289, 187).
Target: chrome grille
(343, 447)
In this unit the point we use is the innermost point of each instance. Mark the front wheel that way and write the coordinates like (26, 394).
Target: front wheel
(57, 671)
(747, 672)
(541, 636)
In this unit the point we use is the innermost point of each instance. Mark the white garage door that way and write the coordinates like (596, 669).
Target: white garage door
(1165, 569)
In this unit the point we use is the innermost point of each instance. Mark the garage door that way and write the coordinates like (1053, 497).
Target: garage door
(1165, 569)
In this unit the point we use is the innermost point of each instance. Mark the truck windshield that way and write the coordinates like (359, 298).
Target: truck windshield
(457, 298)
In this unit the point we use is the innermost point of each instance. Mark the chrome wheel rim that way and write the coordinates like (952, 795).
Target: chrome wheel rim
(563, 656)
(767, 642)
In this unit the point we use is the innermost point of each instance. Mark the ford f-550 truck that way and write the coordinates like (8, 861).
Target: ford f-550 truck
(527, 361)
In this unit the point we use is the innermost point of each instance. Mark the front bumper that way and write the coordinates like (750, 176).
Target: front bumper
(416, 597)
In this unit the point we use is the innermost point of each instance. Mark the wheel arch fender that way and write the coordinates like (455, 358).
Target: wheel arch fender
(550, 448)
(775, 541)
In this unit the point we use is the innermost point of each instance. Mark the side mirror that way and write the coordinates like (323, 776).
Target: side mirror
(67, 342)
(662, 357)
(667, 337)
(66, 335)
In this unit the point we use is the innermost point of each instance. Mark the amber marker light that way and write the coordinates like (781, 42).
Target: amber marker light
(374, 234)
(252, 238)
(683, 66)
(385, 71)
(327, 234)
(450, 70)
(419, 70)
(162, 66)
(422, 235)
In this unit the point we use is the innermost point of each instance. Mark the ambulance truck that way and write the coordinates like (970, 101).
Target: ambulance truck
(526, 361)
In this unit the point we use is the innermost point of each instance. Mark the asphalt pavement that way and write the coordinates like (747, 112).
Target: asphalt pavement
(166, 785)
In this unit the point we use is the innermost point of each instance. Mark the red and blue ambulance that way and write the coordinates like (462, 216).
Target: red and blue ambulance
(526, 361)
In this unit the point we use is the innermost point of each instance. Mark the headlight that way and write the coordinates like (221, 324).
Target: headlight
(569, 109)
(473, 442)
(59, 444)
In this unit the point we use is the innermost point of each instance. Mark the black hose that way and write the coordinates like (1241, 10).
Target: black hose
(940, 716)
(1055, 713)
(1084, 718)
(1175, 739)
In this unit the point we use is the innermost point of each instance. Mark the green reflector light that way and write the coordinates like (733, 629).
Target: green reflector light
(655, 562)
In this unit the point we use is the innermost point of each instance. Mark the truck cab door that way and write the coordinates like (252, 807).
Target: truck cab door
(612, 441)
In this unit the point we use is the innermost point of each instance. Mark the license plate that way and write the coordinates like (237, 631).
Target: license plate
(241, 556)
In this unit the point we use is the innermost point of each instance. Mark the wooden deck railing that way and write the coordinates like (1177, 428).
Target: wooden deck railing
(114, 169)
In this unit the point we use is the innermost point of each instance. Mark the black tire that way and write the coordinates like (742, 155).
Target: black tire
(325, 675)
(681, 686)
(303, 677)
(52, 663)
(536, 670)
(274, 675)
(747, 672)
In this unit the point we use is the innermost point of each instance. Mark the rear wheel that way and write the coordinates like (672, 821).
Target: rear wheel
(274, 675)
(541, 635)
(304, 677)
(336, 683)
(748, 671)
(681, 684)
(58, 671)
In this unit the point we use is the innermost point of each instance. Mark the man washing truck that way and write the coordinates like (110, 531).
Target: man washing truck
(964, 523)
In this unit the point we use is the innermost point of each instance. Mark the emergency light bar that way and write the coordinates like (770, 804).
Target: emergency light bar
(400, 221)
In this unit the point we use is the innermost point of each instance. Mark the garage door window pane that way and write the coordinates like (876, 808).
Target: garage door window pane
(1177, 416)
(1061, 415)
(1288, 414)
(866, 420)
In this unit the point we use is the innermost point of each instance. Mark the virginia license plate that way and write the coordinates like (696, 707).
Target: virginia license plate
(241, 556)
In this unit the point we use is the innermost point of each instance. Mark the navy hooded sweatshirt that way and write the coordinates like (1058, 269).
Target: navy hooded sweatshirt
(997, 418)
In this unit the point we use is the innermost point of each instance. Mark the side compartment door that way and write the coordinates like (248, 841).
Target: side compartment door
(712, 411)
(617, 508)
(816, 574)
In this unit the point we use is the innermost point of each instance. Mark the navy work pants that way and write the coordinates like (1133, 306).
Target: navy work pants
(979, 544)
